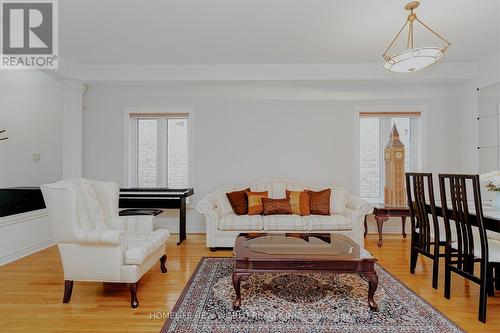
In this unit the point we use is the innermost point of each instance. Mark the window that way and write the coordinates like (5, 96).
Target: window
(374, 132)
(159, 150)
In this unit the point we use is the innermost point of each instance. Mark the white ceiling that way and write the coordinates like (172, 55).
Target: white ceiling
(178, 32)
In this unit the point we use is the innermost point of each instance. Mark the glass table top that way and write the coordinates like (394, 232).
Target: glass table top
(298, 244)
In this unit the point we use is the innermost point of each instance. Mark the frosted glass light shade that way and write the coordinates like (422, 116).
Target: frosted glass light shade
(414, 59)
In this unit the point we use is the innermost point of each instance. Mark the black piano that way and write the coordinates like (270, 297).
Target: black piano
(161, 198)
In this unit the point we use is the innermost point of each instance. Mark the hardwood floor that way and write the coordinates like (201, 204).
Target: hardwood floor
(32, 291)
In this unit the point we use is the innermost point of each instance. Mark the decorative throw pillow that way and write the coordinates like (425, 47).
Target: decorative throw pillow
(338, 200)
(239, 201)
(255, 202)
(299, 200)
(276, 206)
(319, 202)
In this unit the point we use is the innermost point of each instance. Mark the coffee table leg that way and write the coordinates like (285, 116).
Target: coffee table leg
(237, 277)
(380, 222)
(372, 287)
(403, 225)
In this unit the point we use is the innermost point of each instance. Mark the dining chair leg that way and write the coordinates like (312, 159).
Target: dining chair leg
(435, 267)
(490, 281)
(483, 291)
(413, 259)
(483, 301)
(447, 278)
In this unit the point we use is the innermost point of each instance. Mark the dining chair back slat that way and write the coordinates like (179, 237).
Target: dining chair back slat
(469, 243)
(425, 238)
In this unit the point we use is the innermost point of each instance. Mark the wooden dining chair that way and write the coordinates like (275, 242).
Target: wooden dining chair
(472, 245)
(425, 236)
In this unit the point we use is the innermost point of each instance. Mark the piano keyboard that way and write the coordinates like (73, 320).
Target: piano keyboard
(154, 193)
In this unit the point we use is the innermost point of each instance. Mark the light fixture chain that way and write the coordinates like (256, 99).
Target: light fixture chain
(395, 38)
(435, 33)
(409, 42)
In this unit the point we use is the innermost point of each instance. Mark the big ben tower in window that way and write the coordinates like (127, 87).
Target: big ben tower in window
(394, 153)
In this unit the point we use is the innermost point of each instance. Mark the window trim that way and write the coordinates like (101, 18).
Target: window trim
(392, 111)
(130, 134)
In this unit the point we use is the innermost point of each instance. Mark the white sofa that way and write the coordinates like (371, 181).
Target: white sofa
(95, 243)
(222, 225)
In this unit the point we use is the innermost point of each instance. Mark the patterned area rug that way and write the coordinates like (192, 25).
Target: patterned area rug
(299, 303)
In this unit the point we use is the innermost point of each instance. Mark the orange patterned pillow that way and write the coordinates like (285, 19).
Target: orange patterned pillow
(255, 202)
(299, 200)
(276, 206)
(319, 202)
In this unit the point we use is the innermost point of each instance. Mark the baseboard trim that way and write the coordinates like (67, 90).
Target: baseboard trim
(388, 230)
(195, 229)
(190, 229)
(26, 251)
(23, 217)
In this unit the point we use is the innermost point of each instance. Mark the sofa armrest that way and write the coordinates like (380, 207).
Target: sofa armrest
(360, 206)
(356, 211)
(99, 237)
(142, 223)
(207, 206)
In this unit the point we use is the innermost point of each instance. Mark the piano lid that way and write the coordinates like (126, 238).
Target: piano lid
(156, 191)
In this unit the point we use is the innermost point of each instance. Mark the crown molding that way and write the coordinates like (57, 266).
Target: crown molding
(74, 84)
(157, 74)
(271, 72)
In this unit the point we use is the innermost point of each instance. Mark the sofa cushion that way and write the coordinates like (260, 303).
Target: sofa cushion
(238, 201)
(319, 202)
(138, 245)
(241, 222)
(338, 200)
(276, 206)
(299, 200)
(284, 222)
(255, 206)
(328, 222)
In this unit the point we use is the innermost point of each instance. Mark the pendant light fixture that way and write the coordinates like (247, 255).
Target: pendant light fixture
(413, 58)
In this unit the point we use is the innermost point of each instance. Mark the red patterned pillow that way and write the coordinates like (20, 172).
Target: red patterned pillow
(319, 202)
(239, 201)
(276, 206)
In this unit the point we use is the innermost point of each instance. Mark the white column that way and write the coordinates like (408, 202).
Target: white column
(72, 108)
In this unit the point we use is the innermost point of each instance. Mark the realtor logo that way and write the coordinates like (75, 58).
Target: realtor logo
(28, 34)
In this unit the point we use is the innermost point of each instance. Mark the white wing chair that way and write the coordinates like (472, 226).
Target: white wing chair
(95, 243)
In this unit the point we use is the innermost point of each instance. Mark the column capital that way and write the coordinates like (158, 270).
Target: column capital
(74, 84)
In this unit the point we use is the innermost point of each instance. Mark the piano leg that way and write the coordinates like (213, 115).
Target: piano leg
(182, 221)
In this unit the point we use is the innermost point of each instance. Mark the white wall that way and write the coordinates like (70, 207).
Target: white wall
(250, 132)
(30, 112)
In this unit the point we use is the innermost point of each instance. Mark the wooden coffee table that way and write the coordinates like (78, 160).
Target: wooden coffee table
(301, 252)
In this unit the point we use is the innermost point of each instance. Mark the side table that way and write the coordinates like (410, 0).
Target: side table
(383, 212)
